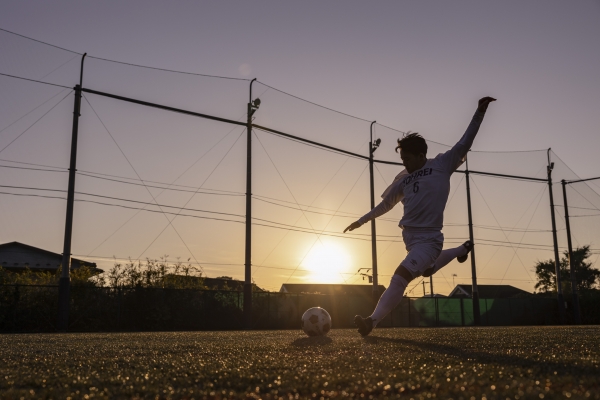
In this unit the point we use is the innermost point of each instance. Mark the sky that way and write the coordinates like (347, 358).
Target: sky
(411, 66)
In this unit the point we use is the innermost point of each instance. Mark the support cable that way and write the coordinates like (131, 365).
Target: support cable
(138, 175)
(497, 223)
(314, 104)
(192, 196)
(34, 80)
(60, 66)
(163, 190)
(158, 187)
(197, 189)
(169, 70)
(277, 226)
(294, 197)
(523, 236)
(36, 121)
(592, 204)
(34, 164)
(318, 234)
(32, 169)
(315, 212)
(322, 233)
(39, 41)
(540, 195)
(24, 115)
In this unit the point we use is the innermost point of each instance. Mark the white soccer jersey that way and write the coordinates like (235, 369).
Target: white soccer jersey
(424, 193)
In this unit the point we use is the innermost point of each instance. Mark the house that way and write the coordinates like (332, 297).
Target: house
(325, 288)
(17, 257)
(489, 291)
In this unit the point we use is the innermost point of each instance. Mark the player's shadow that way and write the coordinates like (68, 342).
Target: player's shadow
(312, 341)
(486, 357)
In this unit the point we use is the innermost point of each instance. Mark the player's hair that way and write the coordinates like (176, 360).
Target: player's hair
(412, 143)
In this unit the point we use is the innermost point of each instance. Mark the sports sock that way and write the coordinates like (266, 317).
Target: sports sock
(389, 299)
(448, 255)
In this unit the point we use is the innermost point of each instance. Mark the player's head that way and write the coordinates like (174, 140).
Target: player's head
(413, 151)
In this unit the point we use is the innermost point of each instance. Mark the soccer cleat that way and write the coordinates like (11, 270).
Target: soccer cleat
(469, 246)
(364, 325)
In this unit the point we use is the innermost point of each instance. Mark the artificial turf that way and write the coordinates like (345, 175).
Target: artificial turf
(457, 363)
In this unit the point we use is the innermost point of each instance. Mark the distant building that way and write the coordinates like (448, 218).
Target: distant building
(17, 257)
(325, 288)
(435, 295)
(489, 291)
(224, 283)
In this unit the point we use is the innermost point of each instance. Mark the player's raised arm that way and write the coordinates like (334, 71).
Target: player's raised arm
(454, 157)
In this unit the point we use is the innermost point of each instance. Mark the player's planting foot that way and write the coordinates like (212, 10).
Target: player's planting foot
(469, 246)
(364, 325)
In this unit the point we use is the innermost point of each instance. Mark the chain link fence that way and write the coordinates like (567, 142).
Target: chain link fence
(93, 309)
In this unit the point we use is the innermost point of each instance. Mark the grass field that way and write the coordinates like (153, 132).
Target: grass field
(457, 363)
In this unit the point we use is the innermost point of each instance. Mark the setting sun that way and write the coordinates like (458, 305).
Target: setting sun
(327, 263)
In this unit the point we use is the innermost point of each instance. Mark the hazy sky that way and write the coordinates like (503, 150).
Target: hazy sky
(417, 66)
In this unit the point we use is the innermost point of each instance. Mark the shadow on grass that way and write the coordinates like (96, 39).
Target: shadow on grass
(491, 358)
(312, 341)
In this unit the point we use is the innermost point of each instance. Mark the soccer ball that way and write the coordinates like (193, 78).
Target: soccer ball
(316, 322)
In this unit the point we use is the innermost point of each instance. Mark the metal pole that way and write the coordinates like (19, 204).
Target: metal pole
(475, 294)
(64, 283)
(248, 253)
(576, 310)
(373, 230)
(561, 300)
(424, 288)
(431, 286)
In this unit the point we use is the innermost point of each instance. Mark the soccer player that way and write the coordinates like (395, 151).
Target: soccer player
(423, 188)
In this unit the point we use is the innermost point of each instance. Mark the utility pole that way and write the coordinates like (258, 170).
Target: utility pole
(252, 107)
(64, 283)
(576, 309)
(475, 295)
(561, 300)
(431, 286)
(372, 148)
(424, 282)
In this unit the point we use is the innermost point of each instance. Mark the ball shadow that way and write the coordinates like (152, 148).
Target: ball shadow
(312, 341)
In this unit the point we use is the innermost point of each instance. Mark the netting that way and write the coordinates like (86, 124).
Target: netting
(583, 200)
(155, 183)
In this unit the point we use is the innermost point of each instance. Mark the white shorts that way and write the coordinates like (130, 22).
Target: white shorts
(424, 247)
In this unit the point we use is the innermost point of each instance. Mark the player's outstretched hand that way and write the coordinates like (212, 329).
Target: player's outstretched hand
(352, 226)
(484, 102)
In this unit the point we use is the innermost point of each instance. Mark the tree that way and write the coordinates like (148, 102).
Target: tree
(587, 277)
(156, 274)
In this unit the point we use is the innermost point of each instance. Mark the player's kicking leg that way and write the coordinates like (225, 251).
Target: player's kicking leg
(461, 254)
(420, 256)
(387, 302)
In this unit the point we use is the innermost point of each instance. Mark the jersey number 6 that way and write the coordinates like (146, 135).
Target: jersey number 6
(416, 187)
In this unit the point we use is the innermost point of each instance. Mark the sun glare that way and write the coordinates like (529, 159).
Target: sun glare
(327, 263)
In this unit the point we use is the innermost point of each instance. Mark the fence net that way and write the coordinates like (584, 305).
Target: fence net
(30, 309)
(155, 183)
(583, 201)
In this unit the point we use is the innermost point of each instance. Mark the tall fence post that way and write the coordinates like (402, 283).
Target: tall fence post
(64, 283)
(372, 148)
(576, 309)
(475, 291)
(252, 107)
(561, 300)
